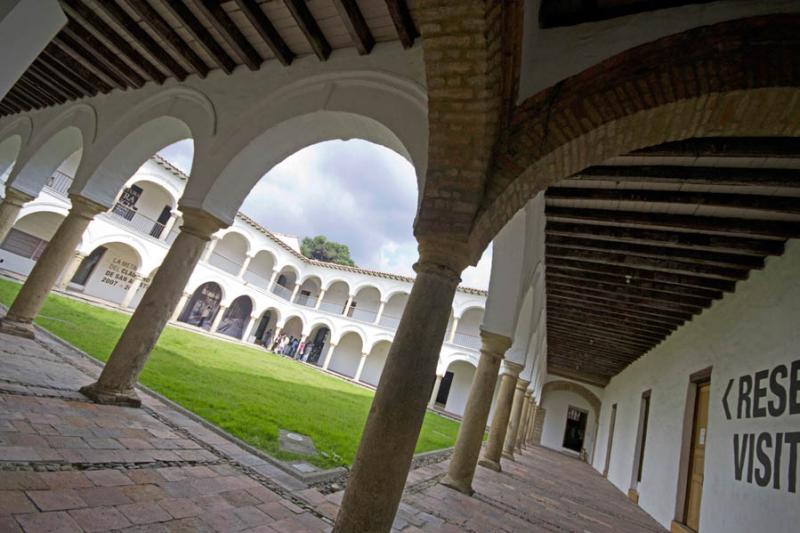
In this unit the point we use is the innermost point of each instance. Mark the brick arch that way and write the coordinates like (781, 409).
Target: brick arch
(736, 78)
(580, 390)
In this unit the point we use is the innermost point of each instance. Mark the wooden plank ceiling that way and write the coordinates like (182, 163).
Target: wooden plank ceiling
(641, 245)
(123, 44)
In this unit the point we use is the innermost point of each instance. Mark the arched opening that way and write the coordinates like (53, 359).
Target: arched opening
(27, 239)
(108, 272)
(373, 367)
(38, 167)
(335, 298)
(365, 305)
(571, 416)
(308, 294)
(347, 354)
(468, 333)
(145, 207)
(317, 344)
(259, 271)
(236, 317)
(229, 253)
(394, 310)
(454, 389)
(264, 332)
(288, 341)
(9, 150)
(285, 283)
(202, 307)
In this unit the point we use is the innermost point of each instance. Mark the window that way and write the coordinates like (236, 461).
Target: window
(24, 244)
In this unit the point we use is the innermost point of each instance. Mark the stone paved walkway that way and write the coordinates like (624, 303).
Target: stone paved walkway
(69, 465)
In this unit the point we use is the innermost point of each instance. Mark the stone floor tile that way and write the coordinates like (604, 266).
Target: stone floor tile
(8, 524)
(144, 493)
(252, 516)
(180, 507)
(240, 498)
(66, 480)
(56, 500)
(99, 518)
(223, 521)
(15, 501)
(276, 511)
(145, 475)
(144, 513)
(57, 522)
(108, 478)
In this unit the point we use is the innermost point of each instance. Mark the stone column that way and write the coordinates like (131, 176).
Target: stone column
(390, 435)
(435, 393)
(525, 419)
(516, 418)
(70, 270)
(10, 208)
(272, 279)
(168, 226)
(245, 264)
(328, 355)
(56, 255)
(319, 299)
(476, 413)
(218, 318)
(347, 304)
(249, 329)
(294, 293)
(360, 369)
(502, 413)
(452, 335)
(137, 282)
(181, 304)
(380, 312)
(121, 372)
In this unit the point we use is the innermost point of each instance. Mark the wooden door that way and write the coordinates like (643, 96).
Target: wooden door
(697, 454)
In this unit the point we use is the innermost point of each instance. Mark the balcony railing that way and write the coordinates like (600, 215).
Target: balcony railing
(137, 221)
(332, 307)
(306, 300)
(231, 266)
(364, 315)
(282, 291)
(59, 183)
(256, 280)
(467, 340)
(390, 321)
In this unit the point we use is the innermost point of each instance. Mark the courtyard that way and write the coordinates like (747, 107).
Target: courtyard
(248, 392)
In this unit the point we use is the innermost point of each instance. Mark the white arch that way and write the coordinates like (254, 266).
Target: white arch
(10, 148)
(350, 328)
(320, 321)
(308, 277)
(298, 316)
(32, 208)
(147, 177)
(192, 286)
(446, 361)
(391, 293)
(367, 285)
(236, 231)
(337, 280)
(378, 338)
(122, 239)
(459, 310)
(376, 106)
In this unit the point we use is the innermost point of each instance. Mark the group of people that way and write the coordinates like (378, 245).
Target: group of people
(294, 347)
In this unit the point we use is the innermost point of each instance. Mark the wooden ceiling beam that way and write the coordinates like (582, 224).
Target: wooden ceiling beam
(68, 63)
(42, 77)
(203, 37)
(594, 356)
(626, 290)
(216, 16)
(34, 91)
(680, 175)
(25, 101)
(651, 263)
(611, 332)
(308, 25)
(772, 229)
(568, 300)
(671, 315)
(750, 202)
(695, 241)
(569, 360)
(267, 31)
(611, 354)
(777, 147)
(702, 257)
(110, 59)
(627, 326)
(642, 274)
(52, 67)
(611, 279)
(571, 308)
(132, 28)
(403, 23)
(590, 379)
(163, 29)
(353, 20)
(629, 299)
(51, 90)
(85, 57)
(94, 23)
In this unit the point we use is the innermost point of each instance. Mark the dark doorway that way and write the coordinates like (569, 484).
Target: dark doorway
(87, 266)
(203, 307)
(444, 388)
(576, 429)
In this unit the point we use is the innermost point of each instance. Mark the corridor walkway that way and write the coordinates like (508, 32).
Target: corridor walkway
(70, 465)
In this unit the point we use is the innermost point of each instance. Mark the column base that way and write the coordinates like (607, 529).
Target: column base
(490, 464)
(127, 398)
(16, 328)
(462, 487)
(508, 455)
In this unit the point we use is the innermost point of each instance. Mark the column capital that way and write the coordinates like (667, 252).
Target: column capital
(442, 256)
(200, 224)
(522, 385)
(84, 207)
(15, 197)
(511, 369)
(528, 395)
(494, 345)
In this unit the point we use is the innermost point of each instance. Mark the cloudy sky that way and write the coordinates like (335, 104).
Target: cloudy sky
(353, 192)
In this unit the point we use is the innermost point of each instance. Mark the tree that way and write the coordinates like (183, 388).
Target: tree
(321, 249)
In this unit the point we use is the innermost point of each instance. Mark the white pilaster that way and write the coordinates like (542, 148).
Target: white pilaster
(328, 356)
(360, 369)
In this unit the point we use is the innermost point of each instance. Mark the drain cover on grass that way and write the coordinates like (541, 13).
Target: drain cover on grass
(296, 443)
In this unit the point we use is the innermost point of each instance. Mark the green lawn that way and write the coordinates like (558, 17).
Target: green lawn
(247, 391)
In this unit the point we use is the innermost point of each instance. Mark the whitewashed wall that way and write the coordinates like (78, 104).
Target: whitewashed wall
(756, 328)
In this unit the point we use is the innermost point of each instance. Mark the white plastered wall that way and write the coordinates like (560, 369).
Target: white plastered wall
(755, 328)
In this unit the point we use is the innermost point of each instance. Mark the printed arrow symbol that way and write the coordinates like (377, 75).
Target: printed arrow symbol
(725, 400)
